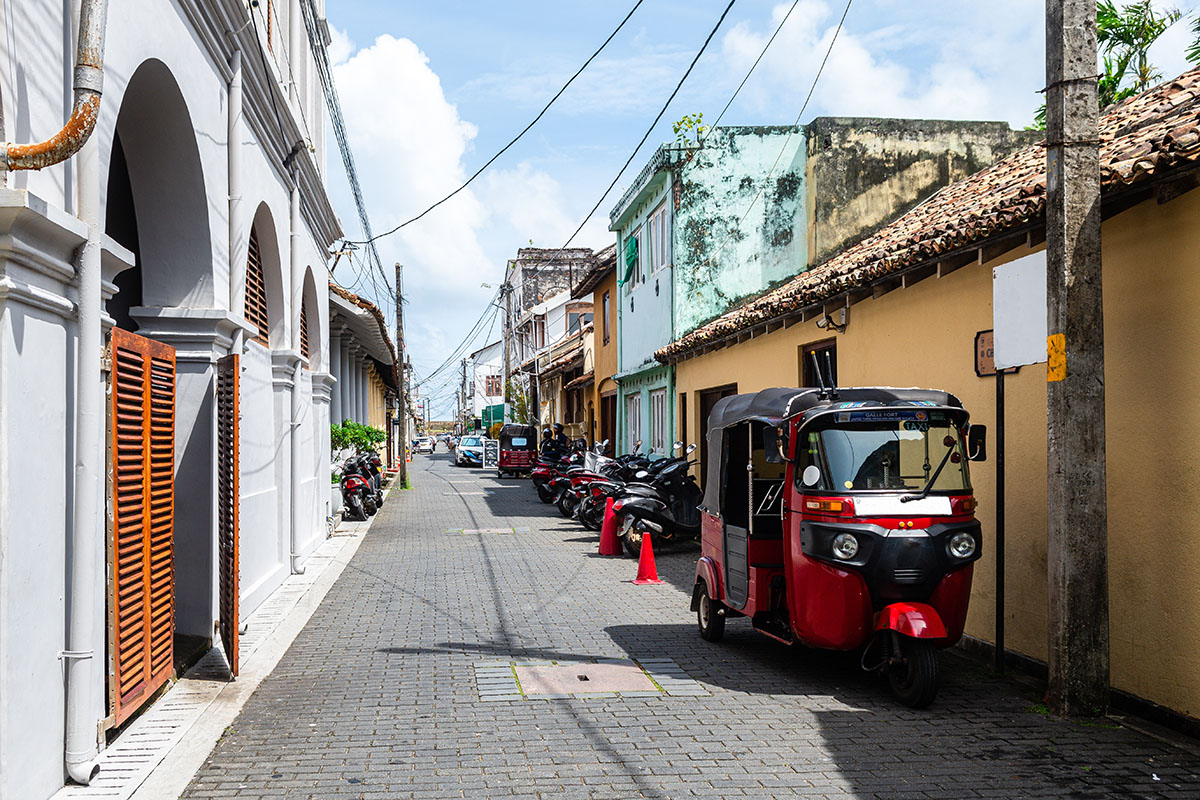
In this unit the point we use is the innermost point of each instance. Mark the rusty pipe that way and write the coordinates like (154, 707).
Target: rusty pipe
(88, 85)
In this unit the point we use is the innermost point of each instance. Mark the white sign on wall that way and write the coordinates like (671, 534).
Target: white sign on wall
(1019, 311)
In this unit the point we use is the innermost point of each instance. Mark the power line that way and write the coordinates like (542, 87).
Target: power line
(787, 139)
(754, 66)
(516, 138)
(325, 72)
(641, 142)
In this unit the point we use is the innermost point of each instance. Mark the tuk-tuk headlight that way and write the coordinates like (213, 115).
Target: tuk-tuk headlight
(962, 545)
(845, 546)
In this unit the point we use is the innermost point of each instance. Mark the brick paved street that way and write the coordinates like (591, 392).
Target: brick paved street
(377, 698)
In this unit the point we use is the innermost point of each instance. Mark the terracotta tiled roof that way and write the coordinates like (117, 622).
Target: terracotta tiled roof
(582, 380)
(1142, 138)
(605, 262)
(374, 311)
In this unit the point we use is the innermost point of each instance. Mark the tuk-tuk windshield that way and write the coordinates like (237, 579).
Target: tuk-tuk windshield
(884, 455)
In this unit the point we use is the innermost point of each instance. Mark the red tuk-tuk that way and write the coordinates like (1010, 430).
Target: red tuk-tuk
(518, 449)
(842, 519)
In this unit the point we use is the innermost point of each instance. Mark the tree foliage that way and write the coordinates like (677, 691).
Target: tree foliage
(1124, 35)
(689, 130)
(353, 436)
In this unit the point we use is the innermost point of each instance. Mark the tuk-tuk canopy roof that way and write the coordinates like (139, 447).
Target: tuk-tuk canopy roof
(775, 405)
(516, 429)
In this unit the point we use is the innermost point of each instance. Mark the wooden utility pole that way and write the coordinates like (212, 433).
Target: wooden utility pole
(401, 400)
(1077, 552)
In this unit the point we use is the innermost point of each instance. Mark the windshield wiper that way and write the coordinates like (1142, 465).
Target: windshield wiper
(929, 484)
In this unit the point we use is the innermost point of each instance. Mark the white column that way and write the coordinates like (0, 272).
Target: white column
(335, 369)
(352, 385)
(362, 389)
(344, 377)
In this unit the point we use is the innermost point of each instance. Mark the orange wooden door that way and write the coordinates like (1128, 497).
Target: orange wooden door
(227, 505)
(142, 453)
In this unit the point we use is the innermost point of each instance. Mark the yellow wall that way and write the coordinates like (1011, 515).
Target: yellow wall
(605, 355)
(924, 336)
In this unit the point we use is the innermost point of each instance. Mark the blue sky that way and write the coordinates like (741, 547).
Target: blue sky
(431, 90)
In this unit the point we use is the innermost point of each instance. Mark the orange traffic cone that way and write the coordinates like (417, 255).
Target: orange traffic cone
(647, 572)
(610, 543)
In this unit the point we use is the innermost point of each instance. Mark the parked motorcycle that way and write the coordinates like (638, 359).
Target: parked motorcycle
(666, 505)
(358, 496)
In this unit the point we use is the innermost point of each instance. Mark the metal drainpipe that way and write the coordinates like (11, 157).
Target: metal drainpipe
(88, 84)
(80, 741)
(297, 297)
(234, 162)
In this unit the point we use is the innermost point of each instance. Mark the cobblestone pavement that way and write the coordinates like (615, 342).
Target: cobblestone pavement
(377, 697)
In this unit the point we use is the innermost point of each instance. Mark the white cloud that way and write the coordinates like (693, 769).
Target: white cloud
(341, 47)
(411, 145)
(981, 61)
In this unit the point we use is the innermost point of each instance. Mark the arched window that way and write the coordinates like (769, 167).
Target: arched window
(255, 311)
(304, 351)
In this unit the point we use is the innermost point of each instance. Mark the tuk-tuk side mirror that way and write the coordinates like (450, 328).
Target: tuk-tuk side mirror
(977, 443)
(771, 445)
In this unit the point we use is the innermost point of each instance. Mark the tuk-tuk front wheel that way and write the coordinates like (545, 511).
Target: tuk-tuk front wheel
(913, 673)
(709, 616)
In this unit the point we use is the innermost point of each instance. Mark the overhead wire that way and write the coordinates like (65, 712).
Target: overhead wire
(783, 148)
(518, 137)
(753, 67)
(641, 142)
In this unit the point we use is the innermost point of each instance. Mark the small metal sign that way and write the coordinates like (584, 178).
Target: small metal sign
(985, 361)
(491, 453)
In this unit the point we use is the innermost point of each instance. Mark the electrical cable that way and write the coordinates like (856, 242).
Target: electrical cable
(753, 67)
(516, 138)
(641, 142)
(786, 140)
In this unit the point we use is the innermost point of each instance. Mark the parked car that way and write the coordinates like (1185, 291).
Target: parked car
(469, 452)
(425, 444)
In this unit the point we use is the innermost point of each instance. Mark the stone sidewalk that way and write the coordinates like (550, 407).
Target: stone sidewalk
(398, 687)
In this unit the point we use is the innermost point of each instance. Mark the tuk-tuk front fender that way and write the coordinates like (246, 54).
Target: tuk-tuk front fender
(918, 620)
(706, 571)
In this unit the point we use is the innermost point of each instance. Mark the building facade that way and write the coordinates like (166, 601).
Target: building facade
(194, 368)
(918, 292)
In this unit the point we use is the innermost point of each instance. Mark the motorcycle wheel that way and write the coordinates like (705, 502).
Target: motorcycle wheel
(354, 506)
(914, 681)
(370, 507)
(631, 538)
(566, 503)
(709, 616)
(587, 515)
(544, 493)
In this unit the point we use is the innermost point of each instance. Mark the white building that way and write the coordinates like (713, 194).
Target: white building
(163, 321)
(485, 377)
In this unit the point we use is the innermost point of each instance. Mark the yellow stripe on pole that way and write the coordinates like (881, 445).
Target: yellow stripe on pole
(1056, 357)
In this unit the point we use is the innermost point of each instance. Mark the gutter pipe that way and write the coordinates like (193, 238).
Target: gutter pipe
(80, 740)
(234, 163)
(88, 84)
(297, 298)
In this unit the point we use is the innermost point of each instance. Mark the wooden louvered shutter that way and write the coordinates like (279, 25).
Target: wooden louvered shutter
(304, 351)
(142, 452)
(255, 310)
(227, 505)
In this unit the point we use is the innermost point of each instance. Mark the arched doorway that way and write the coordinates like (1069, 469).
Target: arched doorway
(157, 207)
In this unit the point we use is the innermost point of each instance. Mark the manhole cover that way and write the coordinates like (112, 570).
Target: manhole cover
(584, 679)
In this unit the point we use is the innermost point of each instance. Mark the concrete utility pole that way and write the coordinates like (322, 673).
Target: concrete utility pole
(1077, 546)
(506, 296)
(402, 394)
(466, 406)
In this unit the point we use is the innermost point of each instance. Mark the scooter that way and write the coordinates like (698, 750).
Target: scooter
(669, 511)
(358, 501)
